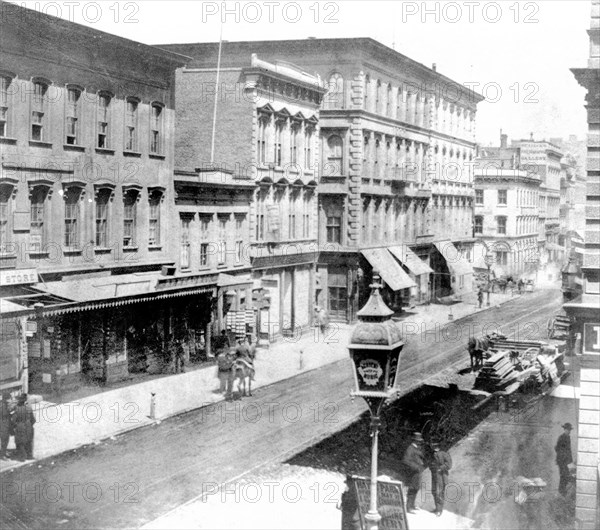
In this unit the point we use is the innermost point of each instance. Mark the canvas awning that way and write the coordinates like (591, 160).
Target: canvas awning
(410, 260)
(113, 291)
(456, 261)
(390, 270)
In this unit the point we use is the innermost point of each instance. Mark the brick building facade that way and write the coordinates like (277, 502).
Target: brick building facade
(397, 141)
(266, 149)
(86, 133)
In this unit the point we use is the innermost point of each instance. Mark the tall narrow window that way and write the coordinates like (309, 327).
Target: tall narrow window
(479, 224)
(4, 106)
(261, 142)
(308, 138)
(131, 125)
(278, 139)
(378, 97)
(502, 196)
(334, 228)
(222, 244)
(130, 199)
(37, 214)
(205, 221)
(294, 143)
(388, 102)
(102, 204)
(103, 121)
(185, 241)
(39, 105)
(367, 89)
(5, 198)
(240, 221)
(334, 155)
(154, 219)
(156, 120)
(72, 117)
(501, 225)
(306, 215)
(292, 216)
(479, 197)
(335, 93)
(72, 206)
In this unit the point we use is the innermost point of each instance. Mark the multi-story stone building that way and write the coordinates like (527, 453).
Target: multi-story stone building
(395, 179)
(249, 208)
(544, 159)
(506, 220)
(584, 312)
(86, 132)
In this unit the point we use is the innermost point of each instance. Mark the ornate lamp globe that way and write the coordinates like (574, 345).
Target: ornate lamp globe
(375, 347)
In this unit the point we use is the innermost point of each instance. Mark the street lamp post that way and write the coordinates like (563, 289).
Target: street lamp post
(374, 348)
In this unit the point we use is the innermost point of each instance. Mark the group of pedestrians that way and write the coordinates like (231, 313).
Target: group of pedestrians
(18, 423)
(416, 459)
(227, 356)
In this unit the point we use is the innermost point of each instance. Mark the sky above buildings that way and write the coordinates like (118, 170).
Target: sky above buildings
(516, 54)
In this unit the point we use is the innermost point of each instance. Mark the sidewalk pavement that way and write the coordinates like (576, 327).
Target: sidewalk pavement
(68, 426)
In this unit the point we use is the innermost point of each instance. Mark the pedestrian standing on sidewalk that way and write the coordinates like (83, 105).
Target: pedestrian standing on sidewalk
(564, 457)
(440, 465)
(480, 297)
(224, 364)
(413, 462)
(23, 420)
(349, 506)
(6, 427)
(178, 354)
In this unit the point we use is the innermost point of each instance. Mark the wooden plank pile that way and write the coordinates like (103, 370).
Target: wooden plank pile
(497, 373)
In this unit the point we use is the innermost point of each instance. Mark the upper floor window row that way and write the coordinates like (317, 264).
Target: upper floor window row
(84, 115)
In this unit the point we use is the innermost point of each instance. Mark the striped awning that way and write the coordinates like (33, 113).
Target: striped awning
(410, 260)
(390, 270)
(113, 291)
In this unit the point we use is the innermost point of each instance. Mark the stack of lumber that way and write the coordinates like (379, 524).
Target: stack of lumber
(497, 373)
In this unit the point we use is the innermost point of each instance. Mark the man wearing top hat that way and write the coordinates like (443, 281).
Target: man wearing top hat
(440, 464)
(564, 457)
(413, 462)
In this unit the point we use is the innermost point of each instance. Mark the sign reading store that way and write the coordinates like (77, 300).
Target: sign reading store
(18, 277)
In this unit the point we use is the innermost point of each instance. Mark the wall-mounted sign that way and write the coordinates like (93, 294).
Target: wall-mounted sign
(591, 338)
(17, 277)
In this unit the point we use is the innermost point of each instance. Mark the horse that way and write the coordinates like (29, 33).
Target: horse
(476, 347)
(240, 371)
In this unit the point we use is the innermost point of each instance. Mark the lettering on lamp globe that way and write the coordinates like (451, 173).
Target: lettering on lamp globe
(370, 371)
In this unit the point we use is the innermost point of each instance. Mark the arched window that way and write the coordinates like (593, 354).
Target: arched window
(367, 90)
(388, 102)
(378, 97)
(335, 92)
(335, 157)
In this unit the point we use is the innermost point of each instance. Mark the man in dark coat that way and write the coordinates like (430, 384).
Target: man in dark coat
(413, 463)
(564, 458)
(23, 420)
(440, 465)
(5, 424)
(349, 506)
(178, 354)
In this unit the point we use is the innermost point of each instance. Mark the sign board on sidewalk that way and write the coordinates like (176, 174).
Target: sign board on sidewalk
(591, 338)
(390, 503)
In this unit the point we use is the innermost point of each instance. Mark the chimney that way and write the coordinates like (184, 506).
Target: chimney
(434, 67)
(503, 140)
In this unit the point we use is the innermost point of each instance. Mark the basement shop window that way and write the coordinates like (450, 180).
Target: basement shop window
(39, 104)
(72, 116)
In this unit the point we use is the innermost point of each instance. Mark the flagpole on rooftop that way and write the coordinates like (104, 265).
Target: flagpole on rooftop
(214, 125)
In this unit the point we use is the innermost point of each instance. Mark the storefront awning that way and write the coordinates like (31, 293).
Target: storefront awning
(410, 260)
(456, 261)
(390, 270)
(114, 291)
